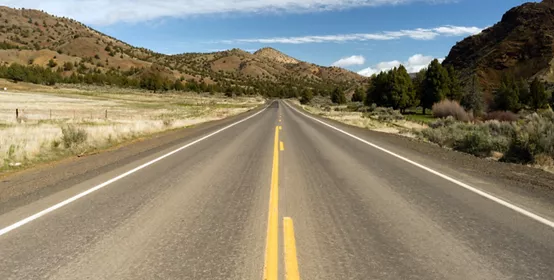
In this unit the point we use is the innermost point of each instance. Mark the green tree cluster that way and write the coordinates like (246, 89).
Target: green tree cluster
(396, 89)
(284, 86)
(538, 96)
(358, 95)
(514, 95)
(393, 88)
(6, 46)
(337, 96)
(306, 96)
(32, 73)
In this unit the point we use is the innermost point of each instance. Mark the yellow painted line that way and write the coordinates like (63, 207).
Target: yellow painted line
(271, 266)
(282, 146)
(291, 260)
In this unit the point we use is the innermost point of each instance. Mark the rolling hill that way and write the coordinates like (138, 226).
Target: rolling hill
(32, 37)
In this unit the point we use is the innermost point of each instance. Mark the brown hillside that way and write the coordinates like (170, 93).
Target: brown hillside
(35, 37)
(266, 63)
(522, 44)
(275, 55)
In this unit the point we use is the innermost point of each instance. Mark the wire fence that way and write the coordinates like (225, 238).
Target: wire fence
(25, 115)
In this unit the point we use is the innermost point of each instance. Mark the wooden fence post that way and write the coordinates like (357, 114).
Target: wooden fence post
(16, 114)
(106, 115)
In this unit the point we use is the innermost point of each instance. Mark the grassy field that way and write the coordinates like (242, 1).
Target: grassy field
(420, 118)
(381, 120)
(58, 123)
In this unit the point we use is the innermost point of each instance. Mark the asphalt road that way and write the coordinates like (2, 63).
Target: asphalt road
(215, 209)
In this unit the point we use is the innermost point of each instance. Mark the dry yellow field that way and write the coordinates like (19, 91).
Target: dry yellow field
(402, 127)
(106, 118)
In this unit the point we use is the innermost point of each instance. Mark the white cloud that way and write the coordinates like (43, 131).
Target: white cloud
(110, 11)
(451, 30)
(414, 64)
(349, 61)
(416, 34)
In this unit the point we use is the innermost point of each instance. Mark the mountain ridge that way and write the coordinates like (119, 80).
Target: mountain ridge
(32, 37)
(520, 44)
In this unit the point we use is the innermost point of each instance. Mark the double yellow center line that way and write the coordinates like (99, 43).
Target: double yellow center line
(271, 266)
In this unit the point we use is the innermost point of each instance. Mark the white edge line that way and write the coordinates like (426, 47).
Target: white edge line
(97, 187)
(461, 184)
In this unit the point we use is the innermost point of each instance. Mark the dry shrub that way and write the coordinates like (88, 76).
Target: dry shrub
(168, 122)
(534, 136)
(476, 139)
(544, 160)
(72, 136)
(384, 114)
(478, 143)
(448, 121)
(503, 116)
(447, 108)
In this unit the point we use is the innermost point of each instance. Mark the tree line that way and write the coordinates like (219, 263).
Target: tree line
(395, 88)
(149, 80)
(514, 95)
(152, 79)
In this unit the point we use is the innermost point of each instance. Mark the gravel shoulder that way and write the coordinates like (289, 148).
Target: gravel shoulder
(23, 187)
(520, 184)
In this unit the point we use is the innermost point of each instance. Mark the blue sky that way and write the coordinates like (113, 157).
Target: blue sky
(365, 36)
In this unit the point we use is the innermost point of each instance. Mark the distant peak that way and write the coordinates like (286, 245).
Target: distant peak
(267, 49)
(273, 54)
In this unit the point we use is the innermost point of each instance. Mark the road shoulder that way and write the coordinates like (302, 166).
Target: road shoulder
(519, 184)
(30, 185)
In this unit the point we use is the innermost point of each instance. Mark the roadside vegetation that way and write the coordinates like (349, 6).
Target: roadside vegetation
(51, 126)
(516, 125)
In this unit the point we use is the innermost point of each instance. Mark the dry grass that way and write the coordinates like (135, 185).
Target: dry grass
(403, 127)
(36, 135)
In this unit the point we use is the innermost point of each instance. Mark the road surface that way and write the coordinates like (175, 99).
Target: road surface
(279, 195)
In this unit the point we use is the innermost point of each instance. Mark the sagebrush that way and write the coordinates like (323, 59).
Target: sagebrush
(73, 135)
(528, 140)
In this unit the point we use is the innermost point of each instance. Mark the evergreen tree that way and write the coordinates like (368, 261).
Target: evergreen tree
(454, 85)
(523, 92)
(418, 83)
(178, 85)
(358, 95)
(16, 73)
(152, 81)
(338, 96)
(435, 85)
(378, 92)
(52, 63)
(229, 92)
(538, 97)
(506, 97)
(68, 66)
(473, 97)
(192, 85)
(402, 94)
(307, 96)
